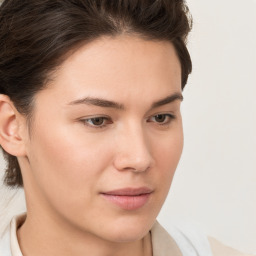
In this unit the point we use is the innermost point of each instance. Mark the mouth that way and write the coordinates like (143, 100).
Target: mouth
(128, 198)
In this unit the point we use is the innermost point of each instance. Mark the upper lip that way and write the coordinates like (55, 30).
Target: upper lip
(129, 191)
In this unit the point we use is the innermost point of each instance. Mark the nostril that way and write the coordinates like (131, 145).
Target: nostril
(133, 152)
(130, 163)
(136, 169)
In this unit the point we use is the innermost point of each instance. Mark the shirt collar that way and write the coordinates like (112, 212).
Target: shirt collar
(15, 224)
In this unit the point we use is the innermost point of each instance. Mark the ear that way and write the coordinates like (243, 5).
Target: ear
(12, 126)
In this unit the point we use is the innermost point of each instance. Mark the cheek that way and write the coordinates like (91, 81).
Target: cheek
(66, 166)
(167, 154)
(169, 148)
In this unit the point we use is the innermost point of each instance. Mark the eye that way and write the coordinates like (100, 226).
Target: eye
(97, 122)
(162, 119)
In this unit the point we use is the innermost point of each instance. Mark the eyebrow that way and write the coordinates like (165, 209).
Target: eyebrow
(167, 100)
(112, 104)
(98, 102)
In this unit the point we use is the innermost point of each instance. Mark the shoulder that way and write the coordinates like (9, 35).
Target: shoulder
(180, 241)
(5, 245)
(186, 240)
(219, 249)
(162, 243)
(8, 239)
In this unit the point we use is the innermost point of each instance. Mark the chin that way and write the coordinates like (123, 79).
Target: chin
(128, 235)
(128, 230)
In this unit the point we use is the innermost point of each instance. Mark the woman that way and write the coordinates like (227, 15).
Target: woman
(91, 124)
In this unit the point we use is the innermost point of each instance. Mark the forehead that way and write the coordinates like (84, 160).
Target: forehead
(123, 67)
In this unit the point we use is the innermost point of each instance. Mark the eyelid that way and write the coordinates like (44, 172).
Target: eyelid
(108, 120)
(170, 117)
(105, 118)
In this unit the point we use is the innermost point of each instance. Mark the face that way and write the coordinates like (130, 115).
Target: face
(107, 137)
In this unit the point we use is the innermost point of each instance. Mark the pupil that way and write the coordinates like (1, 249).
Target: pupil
(160, 118)
(97, 121)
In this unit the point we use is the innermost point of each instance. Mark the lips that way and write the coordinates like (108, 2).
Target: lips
(128, 198)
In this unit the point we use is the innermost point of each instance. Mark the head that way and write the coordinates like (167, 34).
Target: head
(90, 100)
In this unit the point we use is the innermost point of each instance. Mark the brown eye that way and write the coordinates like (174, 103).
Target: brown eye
(160, 118)
(97, 121)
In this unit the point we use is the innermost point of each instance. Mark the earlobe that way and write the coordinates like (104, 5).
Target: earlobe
(10, 128)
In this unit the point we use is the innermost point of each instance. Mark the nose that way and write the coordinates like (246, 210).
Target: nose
(133, 151)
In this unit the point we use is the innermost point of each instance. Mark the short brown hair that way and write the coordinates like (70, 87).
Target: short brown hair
(35, 35)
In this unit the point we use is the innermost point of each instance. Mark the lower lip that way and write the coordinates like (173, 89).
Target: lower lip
(128, 202)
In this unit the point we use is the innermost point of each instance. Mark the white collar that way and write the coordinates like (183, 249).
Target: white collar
(15, 224)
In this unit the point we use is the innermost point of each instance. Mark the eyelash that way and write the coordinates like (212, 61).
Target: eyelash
(86, 122)
(108, 120)
(169, 116)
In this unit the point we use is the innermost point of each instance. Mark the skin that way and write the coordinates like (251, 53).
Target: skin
(68, 161)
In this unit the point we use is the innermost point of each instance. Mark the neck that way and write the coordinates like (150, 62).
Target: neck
(46, 236)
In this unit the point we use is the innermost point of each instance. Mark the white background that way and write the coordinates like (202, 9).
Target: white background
(215, 183)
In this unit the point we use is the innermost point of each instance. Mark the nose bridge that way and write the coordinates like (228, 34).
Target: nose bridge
(133, 150)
